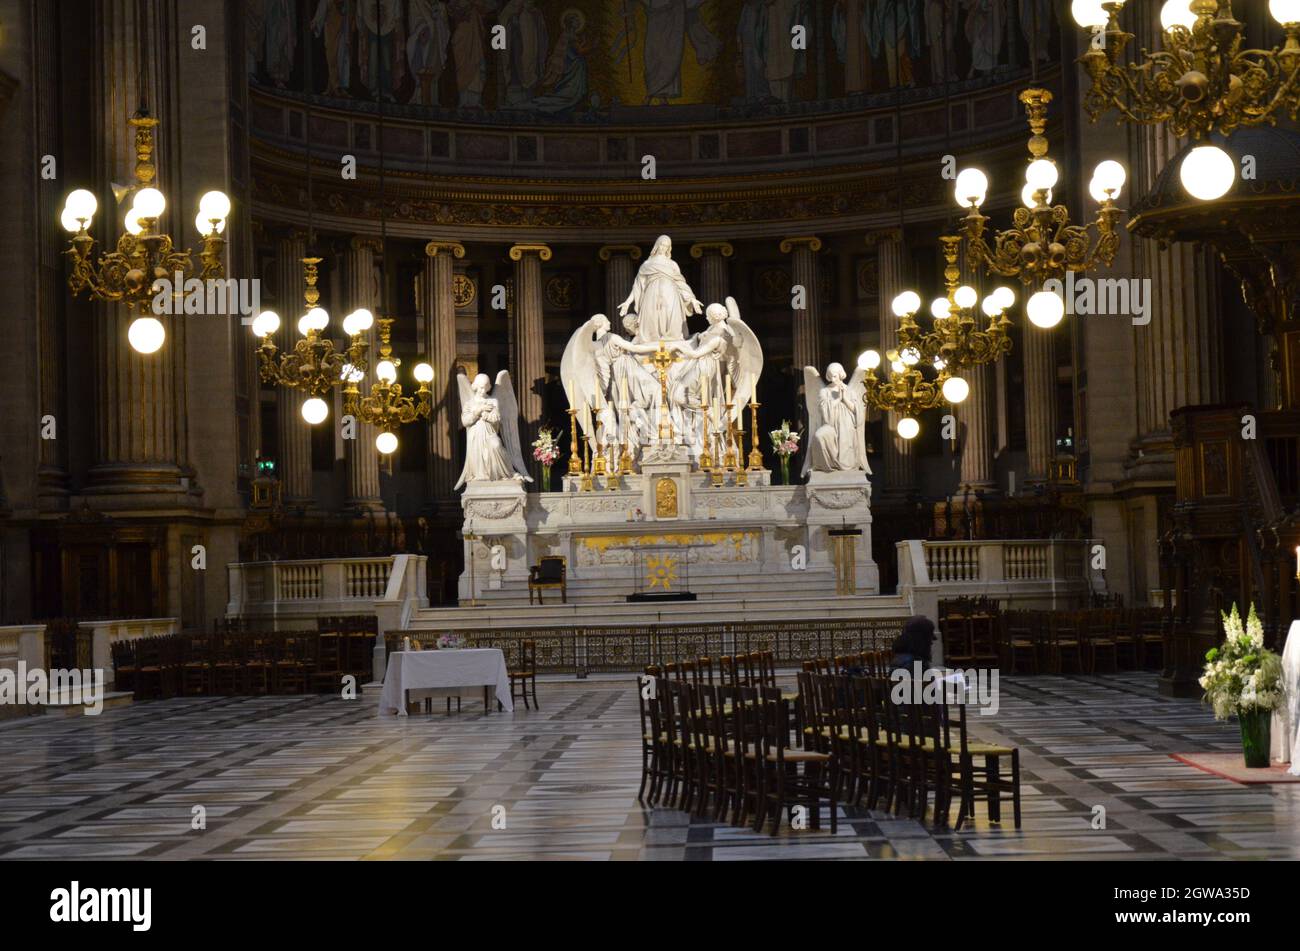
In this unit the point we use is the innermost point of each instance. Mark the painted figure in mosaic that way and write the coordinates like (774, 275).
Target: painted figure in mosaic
(334, 21)
(896, 32)
(751, 53)
(984, 34)
(524, 59)
(1036, 25)
(660, 296)
(837, 417)
(281, 40)
(940, 31)
(850, 26)
(468, 49)
(426, 47)
(782, 63)
(492, 448)
(669, 25)
(565, 79)
(381, 43)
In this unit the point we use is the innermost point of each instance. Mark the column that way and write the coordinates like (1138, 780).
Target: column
(975, 417)
(438, 305)
(529, 371)
(137, 448)
(620, 268)
(900, 461)
(293, 433)
(712, 256)
(803, 273)
(362, 290)
(1039, 348)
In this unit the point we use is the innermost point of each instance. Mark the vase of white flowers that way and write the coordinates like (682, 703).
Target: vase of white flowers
(1245, 678)
(546, 449)
(785, 444)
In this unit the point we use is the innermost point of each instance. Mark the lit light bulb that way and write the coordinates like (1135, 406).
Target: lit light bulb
(146, 334)
(386, 371)
(908, 428)
(868, 360)
(1041, 174)
(266, 323)
(69, 221)
(214, 204)
(910, 357)
(1045, 309)
(203, 224)
(971, 187)
(1177, 13)
(81, 203)
(965, 297)
(423, 373)
(955, 389)
(1285, 12)
(386, 443)
(940, 308)
(1207, 172)
(359, 321)
(149, 202)
(991, 306)
(1088, 13)
(1028, 200)
(908, 302)
(315, 410)
(939, 364)
(897, 366)
(1110, 175)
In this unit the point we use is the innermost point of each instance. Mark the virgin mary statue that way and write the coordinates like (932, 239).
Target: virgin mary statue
(661, 297)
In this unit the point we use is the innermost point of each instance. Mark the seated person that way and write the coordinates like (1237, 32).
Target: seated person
(914, 644)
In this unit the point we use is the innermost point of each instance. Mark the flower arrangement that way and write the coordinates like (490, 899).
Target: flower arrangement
(1245, 678)
(449, 642)
(546, 450)
(785, 443)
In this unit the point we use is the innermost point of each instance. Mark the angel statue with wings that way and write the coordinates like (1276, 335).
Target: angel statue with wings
(603, 370)
(492, 449)
(727, 350)
(837, 420)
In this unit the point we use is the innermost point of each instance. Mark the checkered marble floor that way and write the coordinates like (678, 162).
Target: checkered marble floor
(324, 778)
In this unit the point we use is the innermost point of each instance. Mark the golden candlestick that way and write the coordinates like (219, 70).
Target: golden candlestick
(575, 462)
(729, 460)
(706, 456)
(755, 454)
(586, 484)
(625, 457)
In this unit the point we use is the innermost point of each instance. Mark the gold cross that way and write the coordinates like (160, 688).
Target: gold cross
(662, 359)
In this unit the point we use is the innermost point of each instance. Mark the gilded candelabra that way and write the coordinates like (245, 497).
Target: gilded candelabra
(575, 460)
(314, 365)
(386, 408)
(1203, 80)
(755, 454)
(1043, 243)
(144, 257)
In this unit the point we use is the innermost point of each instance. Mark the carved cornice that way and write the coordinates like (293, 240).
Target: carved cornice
(454, 248)
(518, 251)
(811, 242)
(701, 248)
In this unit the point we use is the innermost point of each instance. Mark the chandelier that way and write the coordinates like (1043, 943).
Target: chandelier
(314, 366)
(905, 389)
(1042, 244)
(1202, 83)
(386, 407)
(143, 255)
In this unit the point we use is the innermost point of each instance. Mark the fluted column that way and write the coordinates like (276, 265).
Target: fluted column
(438, 305)
(620, 268)
(712, 256)
(803, 273)
(529, 370)
(1039, 348)
(292, 431)
(975, 415)
(139, 444)
(900, 460)
(361, 290)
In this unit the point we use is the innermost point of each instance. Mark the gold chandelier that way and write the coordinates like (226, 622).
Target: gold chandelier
(905, 390)
(1043, 244)
(143, 256)
(386, 407)
(314, 366)
(1202, 83)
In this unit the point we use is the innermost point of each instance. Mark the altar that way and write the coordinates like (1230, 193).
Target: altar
(660, 486)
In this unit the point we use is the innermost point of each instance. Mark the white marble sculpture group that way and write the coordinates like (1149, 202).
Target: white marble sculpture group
(658, 386)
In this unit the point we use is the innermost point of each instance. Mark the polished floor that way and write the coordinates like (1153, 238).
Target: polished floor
(315, 777)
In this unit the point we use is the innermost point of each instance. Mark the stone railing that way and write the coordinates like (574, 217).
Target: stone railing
(26, 642)
(1021, 573)
(295, 593)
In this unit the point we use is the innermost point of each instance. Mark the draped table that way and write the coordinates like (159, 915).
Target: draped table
(443, 670)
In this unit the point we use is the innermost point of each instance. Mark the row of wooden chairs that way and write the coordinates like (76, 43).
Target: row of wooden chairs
(752, 669)
(727, 751)
(896, 751)
(866, 663)
(1090, 641)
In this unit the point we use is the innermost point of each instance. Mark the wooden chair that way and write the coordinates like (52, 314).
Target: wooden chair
(1064, 641)
(525, 674)
(653, 736)
(977, 772)
(781, 784)
(1099, 647)
(289, 667)
(194, 666)
(1021, 637)
(549, 572)
(124, 665)
(327, 674)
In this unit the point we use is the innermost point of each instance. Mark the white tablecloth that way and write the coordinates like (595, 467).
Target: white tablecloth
(440, 670)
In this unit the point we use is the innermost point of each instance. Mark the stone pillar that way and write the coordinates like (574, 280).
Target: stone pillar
(438, 305)
(1040, 400)
(292, 431)
(900, 460)
(712, 256)
(620, 269)
(803, 273)
(361, 290)
(139, 443)
(529, 370)
(975, 416)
